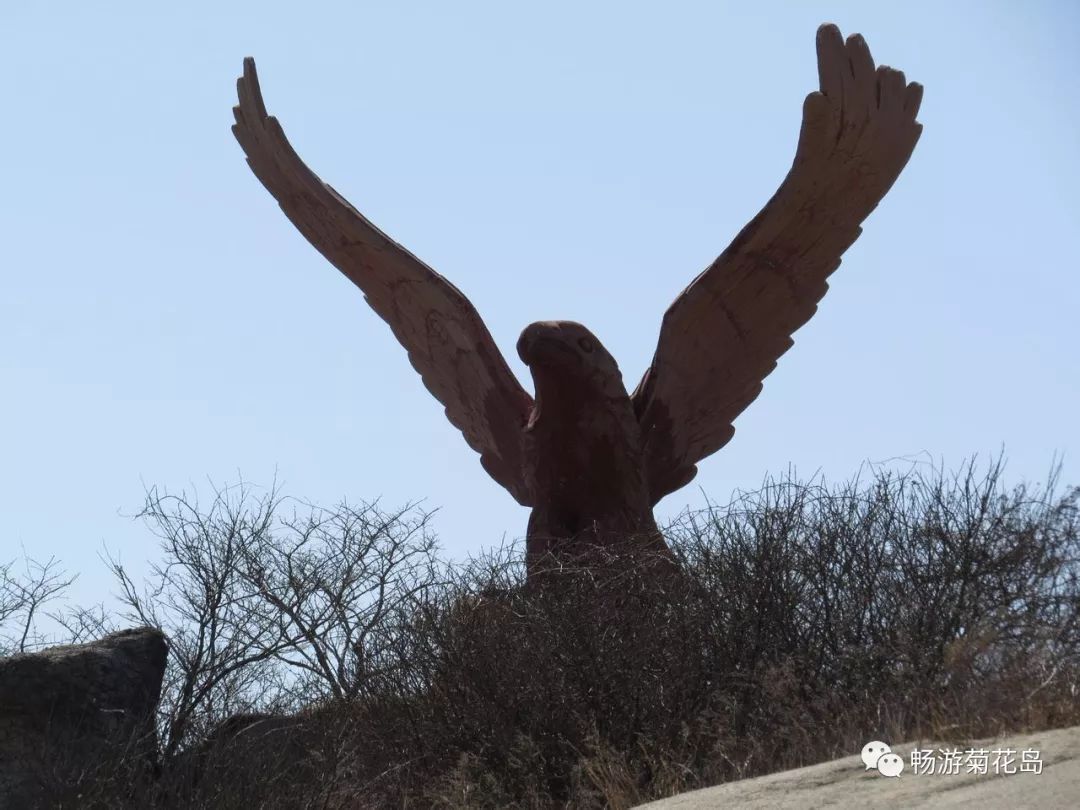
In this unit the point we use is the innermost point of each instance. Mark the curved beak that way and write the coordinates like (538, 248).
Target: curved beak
(540, 341)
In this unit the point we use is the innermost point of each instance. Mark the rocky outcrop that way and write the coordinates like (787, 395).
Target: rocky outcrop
(849, 784)
(66, 712)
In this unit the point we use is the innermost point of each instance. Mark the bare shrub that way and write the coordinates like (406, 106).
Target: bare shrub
(808, 619)
(805, 619)
(270, 603)
(23, 596)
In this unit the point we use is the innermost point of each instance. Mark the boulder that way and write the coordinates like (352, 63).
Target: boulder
(68, 712)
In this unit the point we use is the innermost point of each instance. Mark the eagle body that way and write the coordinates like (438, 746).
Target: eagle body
(590, 458)
(583, 451)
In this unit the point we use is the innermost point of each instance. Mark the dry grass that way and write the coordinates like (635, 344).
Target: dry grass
(807, 620)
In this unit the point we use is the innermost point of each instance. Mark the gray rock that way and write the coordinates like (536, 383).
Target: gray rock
(847, 784)
(67, 713)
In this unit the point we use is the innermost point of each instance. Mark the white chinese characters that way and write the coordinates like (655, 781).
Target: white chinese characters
(877, 755)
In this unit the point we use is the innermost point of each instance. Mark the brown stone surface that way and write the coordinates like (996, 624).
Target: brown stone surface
(61, 707)
(587, 456)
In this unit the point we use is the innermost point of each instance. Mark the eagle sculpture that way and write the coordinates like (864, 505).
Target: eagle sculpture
(589, 458)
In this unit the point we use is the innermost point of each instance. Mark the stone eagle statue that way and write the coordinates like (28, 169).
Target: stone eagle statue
(590, 458)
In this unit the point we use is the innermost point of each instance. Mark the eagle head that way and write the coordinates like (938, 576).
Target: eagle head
(567, 353)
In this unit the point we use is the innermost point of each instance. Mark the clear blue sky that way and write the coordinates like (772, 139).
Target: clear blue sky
(162, 322)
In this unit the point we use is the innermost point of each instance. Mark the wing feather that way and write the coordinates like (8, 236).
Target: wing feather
(724, 334)
(447, 342)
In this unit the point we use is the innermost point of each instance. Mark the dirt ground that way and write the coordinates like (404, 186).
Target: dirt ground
(845, 783)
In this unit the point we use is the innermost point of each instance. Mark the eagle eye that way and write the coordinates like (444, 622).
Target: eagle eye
(585, 344)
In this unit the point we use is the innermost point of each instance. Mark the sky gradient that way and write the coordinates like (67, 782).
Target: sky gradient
(162, 323)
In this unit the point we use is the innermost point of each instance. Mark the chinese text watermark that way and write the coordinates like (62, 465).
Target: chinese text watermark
(877, 755)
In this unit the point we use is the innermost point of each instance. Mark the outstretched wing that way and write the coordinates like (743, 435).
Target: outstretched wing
(724, 334)
(446, 340)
